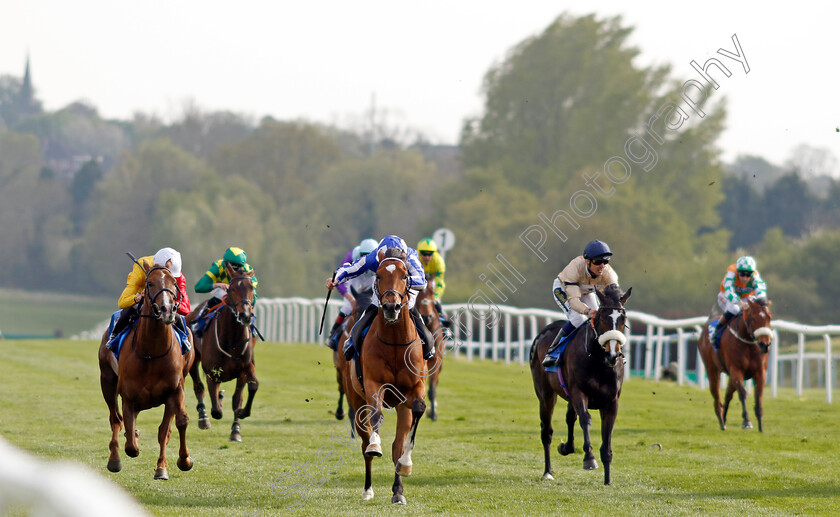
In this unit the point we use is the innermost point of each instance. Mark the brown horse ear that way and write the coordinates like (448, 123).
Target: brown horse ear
(147, 266)
(625, 296)
(380, 254)
(601, 298)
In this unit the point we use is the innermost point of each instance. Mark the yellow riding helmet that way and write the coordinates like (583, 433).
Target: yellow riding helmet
(427, 245)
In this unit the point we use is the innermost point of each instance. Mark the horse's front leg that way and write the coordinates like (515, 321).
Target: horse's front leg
(730, 390)
(164, 431)
(182, 420)
(236, 405)
(758, 381)
(407, 423)
(364, 429)
(608, 416)
(132, 448)
(249, 375)
(738, 382)
(213, 389)
(571, 416)
(585, 418)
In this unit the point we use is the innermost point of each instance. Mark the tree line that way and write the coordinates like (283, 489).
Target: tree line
(77, 191)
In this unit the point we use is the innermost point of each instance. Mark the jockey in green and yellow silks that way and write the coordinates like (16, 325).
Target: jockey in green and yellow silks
(217, 280)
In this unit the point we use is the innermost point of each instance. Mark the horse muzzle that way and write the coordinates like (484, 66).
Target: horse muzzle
(612, 341)
(391, 312)
(764, 337)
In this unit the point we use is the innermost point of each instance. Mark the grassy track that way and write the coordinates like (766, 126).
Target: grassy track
(482, 457)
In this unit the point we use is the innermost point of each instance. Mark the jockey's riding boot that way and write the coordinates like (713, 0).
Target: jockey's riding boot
(356, 334)
(425, 334)
(332, 340)
(549, 360)
(721, 324)
(123, 321)
(181, 324)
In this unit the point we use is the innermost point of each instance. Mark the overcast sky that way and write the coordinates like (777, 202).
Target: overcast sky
(424, 61)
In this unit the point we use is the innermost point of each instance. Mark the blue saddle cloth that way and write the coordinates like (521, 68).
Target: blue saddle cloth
(558, 353)
(116, 345)
(349, 343)
(711, 330)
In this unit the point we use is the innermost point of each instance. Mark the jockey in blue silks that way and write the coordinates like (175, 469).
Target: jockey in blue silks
(416, 283)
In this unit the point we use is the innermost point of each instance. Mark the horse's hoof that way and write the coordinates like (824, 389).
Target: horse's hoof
(398, 499)
(548, 477)
(241, 414)
(433, 417)
(590, 464)
(216, 414)
(746, 425)
(403, 470)
(235, 437)
(373, 450)
(565, 449)
(161, 474)
(185, 464)
(114, 465)
(132, 453)
(367, 495)
(339, 415)
(204, 423)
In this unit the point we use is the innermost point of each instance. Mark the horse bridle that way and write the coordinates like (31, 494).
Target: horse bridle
(612, 334)
(233, 306)
(156, 309)
(403, 296)
(754, 335)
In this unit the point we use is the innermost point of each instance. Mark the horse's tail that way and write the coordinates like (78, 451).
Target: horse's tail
(551, 327)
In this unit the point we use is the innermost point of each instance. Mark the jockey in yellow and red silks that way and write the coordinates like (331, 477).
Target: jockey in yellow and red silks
(741, 280)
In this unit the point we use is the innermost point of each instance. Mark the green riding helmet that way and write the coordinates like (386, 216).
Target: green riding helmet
(745, 263)
(235, 255)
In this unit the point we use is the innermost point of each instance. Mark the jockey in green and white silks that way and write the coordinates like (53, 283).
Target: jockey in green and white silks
(740, 281)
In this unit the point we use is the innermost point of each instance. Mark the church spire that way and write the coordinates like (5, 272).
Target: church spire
(27, 104)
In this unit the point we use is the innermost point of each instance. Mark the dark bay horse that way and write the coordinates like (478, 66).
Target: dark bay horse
(150, 372)
(426, 306)
(593, 372)
(743, 355)
(393, 373)
(226, 352)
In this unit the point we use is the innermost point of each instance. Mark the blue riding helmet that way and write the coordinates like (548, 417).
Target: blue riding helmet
(596, 249)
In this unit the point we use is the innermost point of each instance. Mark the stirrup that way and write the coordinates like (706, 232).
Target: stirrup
(550, 361)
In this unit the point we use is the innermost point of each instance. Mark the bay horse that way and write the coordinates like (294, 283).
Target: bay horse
(393, 374)
(593, 374)
(431, 317)
(226, 352)
(150, 372)
(743, 355)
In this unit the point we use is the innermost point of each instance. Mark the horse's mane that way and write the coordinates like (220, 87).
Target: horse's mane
(613, 293)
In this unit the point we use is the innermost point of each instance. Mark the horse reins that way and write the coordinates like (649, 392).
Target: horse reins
(403, 296)
(156, 311)
(232, 307)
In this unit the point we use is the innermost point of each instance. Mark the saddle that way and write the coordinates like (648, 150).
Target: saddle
(116, 345)
(558, 353)
(201, 323)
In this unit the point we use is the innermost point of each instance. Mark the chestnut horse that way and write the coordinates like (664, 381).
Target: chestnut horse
(426, 306)
(593, 373)
(226, 352)
(743, 355)
(150, 372)
(393, 374)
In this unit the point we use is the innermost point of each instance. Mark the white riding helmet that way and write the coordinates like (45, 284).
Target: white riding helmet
(166, 254)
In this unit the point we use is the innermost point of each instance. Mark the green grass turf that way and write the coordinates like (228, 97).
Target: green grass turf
(23, 312)
(482, 457)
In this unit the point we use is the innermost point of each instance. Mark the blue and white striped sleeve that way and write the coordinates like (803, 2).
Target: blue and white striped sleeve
(346, 272)
(415, 271)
